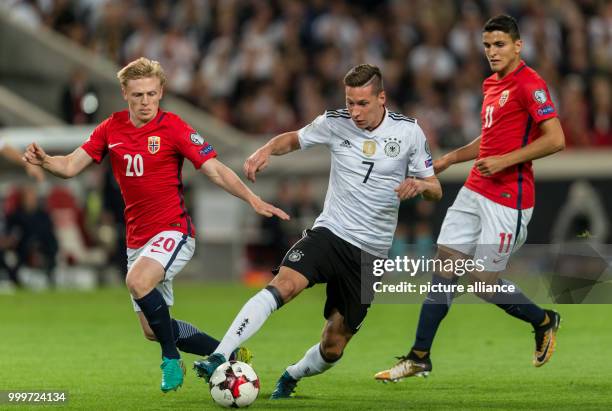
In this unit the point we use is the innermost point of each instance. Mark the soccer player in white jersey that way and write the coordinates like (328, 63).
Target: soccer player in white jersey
(378, 159)
(11, 154)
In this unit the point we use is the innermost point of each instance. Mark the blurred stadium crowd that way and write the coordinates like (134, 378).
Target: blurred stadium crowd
(271, 66)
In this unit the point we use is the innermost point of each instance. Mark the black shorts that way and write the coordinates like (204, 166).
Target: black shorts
(323, 257)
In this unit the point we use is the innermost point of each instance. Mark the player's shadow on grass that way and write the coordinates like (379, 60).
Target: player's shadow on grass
(298, 401)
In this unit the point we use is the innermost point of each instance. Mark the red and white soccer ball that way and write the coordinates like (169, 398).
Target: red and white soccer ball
(234, 384)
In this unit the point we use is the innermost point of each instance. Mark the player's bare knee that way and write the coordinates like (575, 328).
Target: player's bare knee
(137, 285)
(289, 283)
(332, 349)
(335, 337)
(334, 340)
(149, 335)
(285, 288)
(445, 254)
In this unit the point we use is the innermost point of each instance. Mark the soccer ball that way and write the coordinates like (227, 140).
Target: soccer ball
(234, 384)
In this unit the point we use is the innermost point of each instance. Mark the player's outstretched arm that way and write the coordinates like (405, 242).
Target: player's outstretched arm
(225, 178)
(411, 187)
(466, 153)
(277, 146)
(550, 141)
(61, 166)
(13, 155)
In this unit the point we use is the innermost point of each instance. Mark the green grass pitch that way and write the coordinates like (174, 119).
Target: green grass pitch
(90, 344)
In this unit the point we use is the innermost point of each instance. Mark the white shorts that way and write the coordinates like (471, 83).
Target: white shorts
(484, 229)
(173, 250)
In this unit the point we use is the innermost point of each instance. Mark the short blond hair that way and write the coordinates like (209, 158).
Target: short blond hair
(141, 68)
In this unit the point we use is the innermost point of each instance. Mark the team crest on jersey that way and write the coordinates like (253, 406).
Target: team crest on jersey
(540, 96)
(295, 256)
(504, 97)
(196, 139)
(369, 148)
(392, 147)
(154, 144)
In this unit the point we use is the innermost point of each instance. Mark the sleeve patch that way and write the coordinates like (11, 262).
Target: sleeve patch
(547, 109)
(540, 96)
(196, 139)
(205, 150)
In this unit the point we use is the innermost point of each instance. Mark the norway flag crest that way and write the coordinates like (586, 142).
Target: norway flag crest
(154, 144)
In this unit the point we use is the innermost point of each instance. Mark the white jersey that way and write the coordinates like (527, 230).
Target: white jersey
(361, 205)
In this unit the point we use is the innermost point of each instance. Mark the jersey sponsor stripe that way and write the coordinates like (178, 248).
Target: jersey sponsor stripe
(175, 253)
(518, 225)
(182, 200)
(519, 197)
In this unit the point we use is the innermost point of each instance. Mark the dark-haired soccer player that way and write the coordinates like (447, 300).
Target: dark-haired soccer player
(147, 147)
(489, 217)
(376, 155)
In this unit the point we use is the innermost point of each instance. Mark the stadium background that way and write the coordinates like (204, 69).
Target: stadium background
(241, 71)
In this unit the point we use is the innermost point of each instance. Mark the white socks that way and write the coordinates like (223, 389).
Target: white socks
(250, 319)
(311, 364)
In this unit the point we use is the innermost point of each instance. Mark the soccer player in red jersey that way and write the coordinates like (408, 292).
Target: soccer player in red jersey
(147, 147)
(488, 220)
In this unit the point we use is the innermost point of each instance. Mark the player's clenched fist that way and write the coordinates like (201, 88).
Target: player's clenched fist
(441, 164)
(34, 154)
(258, 161)
(490, 165)
(409, 188)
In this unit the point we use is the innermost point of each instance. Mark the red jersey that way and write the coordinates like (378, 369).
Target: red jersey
(512, 109)
(147, 163)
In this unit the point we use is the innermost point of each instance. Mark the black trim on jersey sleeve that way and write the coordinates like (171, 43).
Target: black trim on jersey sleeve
(342, 113)
(519, 70)
(399, 117)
